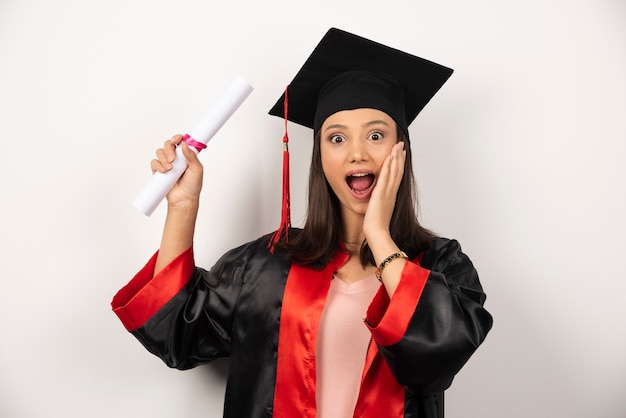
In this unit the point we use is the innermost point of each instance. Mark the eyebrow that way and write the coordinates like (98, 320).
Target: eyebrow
(376, 122)
(370, 123)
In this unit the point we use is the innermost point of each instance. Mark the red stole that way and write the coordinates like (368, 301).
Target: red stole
(304, 299)
(303, 302)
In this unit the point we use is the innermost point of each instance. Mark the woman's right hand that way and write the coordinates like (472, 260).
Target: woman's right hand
(183, 201)
(187, 188)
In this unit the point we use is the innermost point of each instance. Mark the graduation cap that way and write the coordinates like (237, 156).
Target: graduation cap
(346, 72)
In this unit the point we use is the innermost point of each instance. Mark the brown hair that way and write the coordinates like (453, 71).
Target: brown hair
(320, 237)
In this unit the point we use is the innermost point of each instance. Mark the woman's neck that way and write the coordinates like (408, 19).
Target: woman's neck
(352, 234)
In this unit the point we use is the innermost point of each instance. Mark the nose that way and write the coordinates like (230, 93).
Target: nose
(357, 151)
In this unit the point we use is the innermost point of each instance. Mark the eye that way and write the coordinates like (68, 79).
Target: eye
(376, 136)
(336, 139)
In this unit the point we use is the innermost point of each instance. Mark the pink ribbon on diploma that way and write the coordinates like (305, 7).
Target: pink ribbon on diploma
(199, 146)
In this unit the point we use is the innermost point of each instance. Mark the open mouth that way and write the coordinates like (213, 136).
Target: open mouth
(360, 183)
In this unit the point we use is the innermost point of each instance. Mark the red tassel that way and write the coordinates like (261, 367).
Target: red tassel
(285, 217)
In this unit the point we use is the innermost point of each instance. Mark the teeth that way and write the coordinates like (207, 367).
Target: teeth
(360, 175)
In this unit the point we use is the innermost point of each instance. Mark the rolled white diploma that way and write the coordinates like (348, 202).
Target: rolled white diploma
(153, 193)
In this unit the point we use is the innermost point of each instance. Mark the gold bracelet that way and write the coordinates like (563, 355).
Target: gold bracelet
(379, 270)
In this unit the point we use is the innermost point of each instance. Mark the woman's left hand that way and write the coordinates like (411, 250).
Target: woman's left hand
(383, 199)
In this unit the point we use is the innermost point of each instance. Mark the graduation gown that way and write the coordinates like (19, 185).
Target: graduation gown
(263, 313)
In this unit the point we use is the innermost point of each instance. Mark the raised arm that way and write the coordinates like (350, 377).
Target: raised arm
(182, 201)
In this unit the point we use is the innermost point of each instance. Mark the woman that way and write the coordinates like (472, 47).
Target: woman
(288, 309)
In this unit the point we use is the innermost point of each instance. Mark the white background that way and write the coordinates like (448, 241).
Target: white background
(520, 157)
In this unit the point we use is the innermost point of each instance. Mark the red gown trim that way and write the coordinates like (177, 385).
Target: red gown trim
(303, 302)
(144, 295)
(389, 319)
(381, 394)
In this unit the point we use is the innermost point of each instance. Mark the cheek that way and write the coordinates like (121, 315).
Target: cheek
(330, 163)
(333, 173)
(379, 155)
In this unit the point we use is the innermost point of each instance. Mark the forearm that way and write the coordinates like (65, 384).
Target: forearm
(178, 233)
(378, 217)
(382, 246)
(182, 202)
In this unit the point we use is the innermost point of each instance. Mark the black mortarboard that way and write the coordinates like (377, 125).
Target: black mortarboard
(346, 71)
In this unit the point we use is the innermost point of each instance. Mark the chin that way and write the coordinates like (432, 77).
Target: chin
(356, 208)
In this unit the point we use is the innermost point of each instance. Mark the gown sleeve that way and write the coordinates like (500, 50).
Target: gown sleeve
(181, 314)
(435, 320)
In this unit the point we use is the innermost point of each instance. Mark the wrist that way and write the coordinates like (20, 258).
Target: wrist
(377, 233)
(387, 261)
(184, 206)
(380, 242)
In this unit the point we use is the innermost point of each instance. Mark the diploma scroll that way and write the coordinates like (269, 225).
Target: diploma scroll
(153, 193)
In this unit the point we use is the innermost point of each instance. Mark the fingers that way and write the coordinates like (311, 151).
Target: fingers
(165, 156)
(383, 200)
(191, 157)
(176, 139)
(169, 148)
(393, 167)
(399, 158)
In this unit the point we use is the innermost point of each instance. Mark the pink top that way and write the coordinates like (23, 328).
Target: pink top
(342, 344)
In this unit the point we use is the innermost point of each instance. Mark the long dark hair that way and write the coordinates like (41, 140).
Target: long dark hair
(320, 237)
